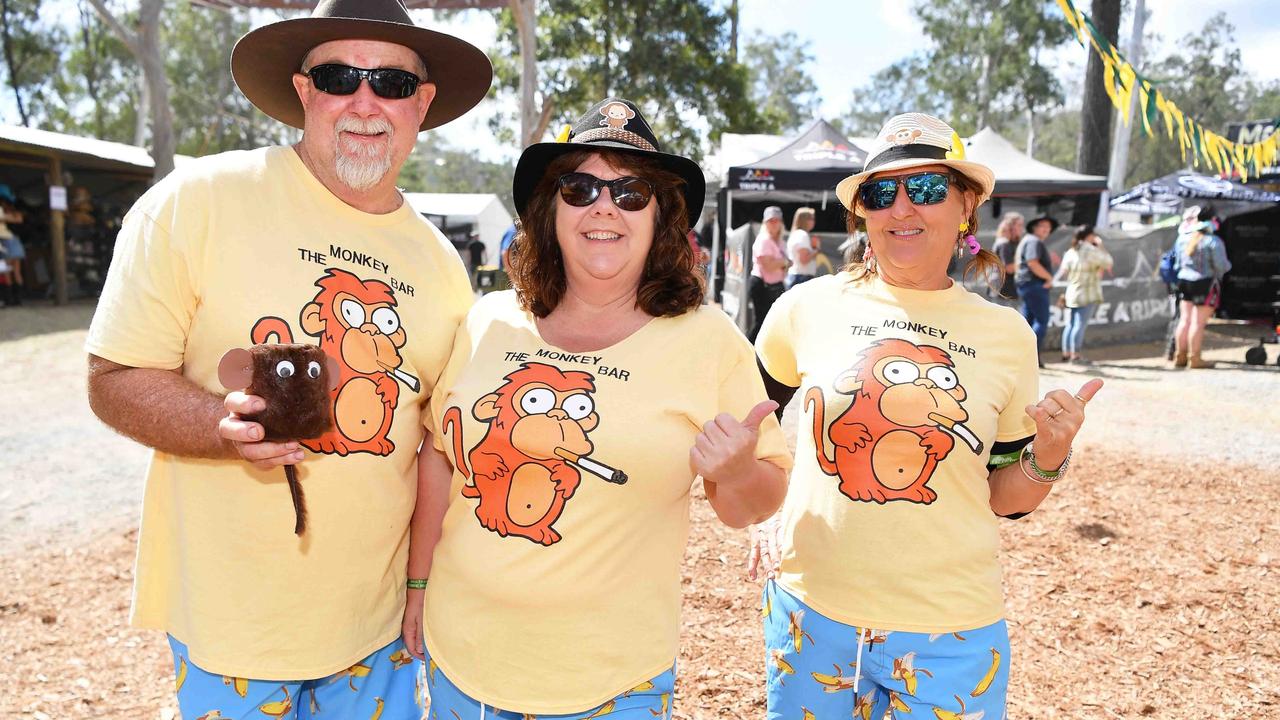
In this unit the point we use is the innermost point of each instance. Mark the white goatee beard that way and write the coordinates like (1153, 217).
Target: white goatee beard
(360, 166)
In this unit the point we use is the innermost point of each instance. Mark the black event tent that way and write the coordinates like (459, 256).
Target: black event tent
(815, 161)
(1169, 194)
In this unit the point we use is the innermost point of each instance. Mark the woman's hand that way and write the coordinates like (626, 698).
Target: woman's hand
(765, 552)
(725, 450)
(411, 627)
(1058, 417)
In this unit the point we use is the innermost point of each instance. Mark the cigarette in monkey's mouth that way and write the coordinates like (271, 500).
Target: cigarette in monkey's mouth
(616, 477)
(959, 430)
(402, 376)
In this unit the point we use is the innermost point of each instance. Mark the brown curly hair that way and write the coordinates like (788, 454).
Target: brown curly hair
(672, 282)
(986, 264)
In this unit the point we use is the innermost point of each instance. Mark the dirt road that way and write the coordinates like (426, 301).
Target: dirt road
(1146, 586)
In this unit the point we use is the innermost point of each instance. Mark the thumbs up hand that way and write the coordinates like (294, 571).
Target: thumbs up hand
(725, 450)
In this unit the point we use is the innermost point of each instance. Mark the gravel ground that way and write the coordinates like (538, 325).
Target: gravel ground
(1145, 587)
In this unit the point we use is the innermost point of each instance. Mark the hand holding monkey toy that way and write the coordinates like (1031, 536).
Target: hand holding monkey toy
(285, 398)
(725, 450)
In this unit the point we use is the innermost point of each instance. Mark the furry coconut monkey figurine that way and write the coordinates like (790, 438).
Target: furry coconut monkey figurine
(295, 381)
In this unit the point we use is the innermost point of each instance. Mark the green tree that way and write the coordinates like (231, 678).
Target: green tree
(96, 93)
(438, 167)
(667, 56)
(982, 66)
(784, 95)
(31, 49)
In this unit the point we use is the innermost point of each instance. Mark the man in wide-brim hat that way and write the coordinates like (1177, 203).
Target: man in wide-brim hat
(269, 612)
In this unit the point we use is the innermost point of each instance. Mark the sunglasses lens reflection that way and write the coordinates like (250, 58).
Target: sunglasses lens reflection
(879, 194)
(628, 193)
(578, 189)
(927, 188)
(631, 194)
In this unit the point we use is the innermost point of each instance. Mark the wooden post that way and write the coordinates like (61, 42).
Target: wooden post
(58, 236)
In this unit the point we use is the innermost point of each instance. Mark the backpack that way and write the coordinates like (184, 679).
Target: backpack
(1169, 266)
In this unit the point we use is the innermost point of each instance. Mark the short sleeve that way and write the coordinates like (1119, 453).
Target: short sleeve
(1013, 423)
(775, 345)
(150, 296)
(741, 389)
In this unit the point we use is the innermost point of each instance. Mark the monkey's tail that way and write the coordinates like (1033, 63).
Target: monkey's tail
(452, 425)
(268, 326)
(299, 500)
(813, 399)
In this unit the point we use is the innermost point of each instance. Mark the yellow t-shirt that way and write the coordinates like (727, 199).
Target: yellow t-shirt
(568, 594)
(249, 245)
(887, 522)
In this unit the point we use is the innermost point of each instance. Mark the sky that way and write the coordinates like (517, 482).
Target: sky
(851, 39)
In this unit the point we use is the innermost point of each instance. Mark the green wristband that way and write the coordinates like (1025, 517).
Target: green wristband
(416, 583)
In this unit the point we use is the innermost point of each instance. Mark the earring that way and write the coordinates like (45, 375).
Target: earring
(964, 226)
(869, 259)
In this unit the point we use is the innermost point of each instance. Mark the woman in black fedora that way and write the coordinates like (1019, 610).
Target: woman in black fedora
(574, 416)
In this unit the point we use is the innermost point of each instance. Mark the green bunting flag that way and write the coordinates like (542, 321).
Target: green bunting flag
(1121, 81)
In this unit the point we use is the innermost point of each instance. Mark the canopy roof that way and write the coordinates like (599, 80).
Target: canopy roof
(816, 160)
(1020, 174)
(1168, 194)
(86, 152)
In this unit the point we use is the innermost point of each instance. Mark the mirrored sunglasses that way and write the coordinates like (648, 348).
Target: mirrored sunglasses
(391, 83)
(628, 193)
(926, 188)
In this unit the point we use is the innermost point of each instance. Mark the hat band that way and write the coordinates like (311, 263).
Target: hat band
(609, 133)
(915, 151)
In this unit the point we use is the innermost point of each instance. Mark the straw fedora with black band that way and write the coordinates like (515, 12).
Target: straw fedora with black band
(916, 140)
(614, 125)
(264, 60)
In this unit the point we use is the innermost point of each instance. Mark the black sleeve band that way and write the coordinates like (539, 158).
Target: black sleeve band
(777, 392)
(1005, 450)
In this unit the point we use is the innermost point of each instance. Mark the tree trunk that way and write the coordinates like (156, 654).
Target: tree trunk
(91, 70)
(1093, 147)
(1031, 131)
(733, 31)
(144, 44)
(526, 25)
(140, 113)
(13, 68)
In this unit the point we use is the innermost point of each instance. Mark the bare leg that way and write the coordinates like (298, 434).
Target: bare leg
(1186, 314)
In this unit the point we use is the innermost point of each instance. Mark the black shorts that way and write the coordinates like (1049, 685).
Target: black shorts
(1199, 292)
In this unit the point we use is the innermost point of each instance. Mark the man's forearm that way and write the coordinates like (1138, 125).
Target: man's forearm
(158, 408)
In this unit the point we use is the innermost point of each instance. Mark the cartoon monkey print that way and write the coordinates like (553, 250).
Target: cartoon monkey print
(616, 115)
(521, 472)
(359, 328)
(889, 441)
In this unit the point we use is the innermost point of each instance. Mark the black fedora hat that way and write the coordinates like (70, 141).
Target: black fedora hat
(1053, 224)
(264, 60)
(615, 125)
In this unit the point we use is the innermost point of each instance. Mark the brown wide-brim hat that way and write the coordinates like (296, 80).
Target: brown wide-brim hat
(916, 140)
(264, 60)
(611, 125)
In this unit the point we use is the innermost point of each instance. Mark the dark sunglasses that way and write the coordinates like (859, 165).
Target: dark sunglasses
(344, 80)
(628, 193)
(926, 188)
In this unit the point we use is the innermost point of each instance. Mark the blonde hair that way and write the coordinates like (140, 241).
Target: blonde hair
(802, 214)
(1007, 222)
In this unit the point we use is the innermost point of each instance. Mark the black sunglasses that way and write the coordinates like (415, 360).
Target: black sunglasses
(628, 193)
(389, 83)
(926, 188)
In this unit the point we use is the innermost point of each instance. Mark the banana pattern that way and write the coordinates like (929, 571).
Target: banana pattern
(382, 691)
(840, 670)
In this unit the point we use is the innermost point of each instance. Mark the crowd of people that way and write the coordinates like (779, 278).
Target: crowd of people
(496, 514)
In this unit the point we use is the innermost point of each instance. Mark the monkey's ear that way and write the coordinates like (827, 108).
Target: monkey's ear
(847, 383)
(332, 366)
(235, 369)
(486, 408)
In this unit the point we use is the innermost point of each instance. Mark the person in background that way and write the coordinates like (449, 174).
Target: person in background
(1034, 275)
(1202, 261)
(768, 267)
(801, 248)
(1010, 230)
(12, 250)
(504, 247)
(1082, 266)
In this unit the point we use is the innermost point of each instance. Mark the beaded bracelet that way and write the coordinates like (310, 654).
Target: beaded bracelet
(416, 583)
(1042, 477)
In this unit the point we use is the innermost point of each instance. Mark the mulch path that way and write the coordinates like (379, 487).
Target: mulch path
(1142, 588)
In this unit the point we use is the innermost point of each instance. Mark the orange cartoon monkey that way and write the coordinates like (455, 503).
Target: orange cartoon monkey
(358, 327)
(891, 438)
(538, 421)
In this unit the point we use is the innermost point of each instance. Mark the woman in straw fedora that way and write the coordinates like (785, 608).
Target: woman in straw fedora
(575, 414)
(921, 404)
